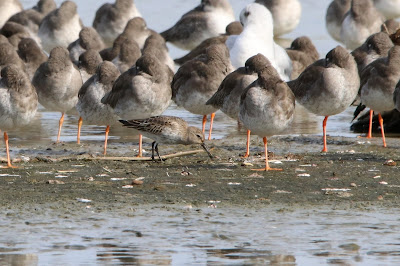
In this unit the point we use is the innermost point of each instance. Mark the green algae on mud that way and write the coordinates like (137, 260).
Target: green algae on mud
(352, 171)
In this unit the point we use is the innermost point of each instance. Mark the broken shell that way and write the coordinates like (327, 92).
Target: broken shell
(304, 175)
(137, 182)
(390, 163)
(55, 182)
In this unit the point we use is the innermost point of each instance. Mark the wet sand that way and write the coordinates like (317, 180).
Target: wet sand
(64, 175)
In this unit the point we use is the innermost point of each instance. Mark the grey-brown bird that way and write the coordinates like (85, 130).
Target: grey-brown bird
(227, 98)
(267, 106)
(142, 91)
(57, 83)
(90, 107)
(32, 56)
(378, 82)
(328, 86)
(209, 19)
(129, 53)
(88, 39)
(18, 102)
(111, 19)
(198, 79)
(303, 53)
(60, 27)
(234, 28)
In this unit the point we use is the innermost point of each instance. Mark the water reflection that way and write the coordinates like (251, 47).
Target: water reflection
(19, 259)
(163, 235)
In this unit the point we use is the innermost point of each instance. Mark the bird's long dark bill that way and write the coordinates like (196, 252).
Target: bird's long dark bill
(206, 149)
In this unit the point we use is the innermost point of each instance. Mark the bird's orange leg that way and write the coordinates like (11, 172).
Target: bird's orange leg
(325, 149)
(59, 127)
(211, 125)
(9, 165)
(247, 145)
(204, 123)
(105, 141)
(371, 114)
(267, 168)
(80, 121)
(382, 129)
(140, 146)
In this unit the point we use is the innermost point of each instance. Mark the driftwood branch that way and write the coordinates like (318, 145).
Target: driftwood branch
(164, 157)
(106, 158)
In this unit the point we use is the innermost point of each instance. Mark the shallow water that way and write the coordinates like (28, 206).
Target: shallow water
(202, 236)
(312, 24)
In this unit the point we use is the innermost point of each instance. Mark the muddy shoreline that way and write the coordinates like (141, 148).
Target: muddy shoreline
(65, 175)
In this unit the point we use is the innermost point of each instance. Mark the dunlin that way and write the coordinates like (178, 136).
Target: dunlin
(198, 79)
(257, 37)
(142, 91)
(60, 27)
(328, 86)
(286, 14)
(167, 130)
(111, 19)
(267, 106)
(207, 20)
(359, 23)
(303, 53)
(18, 102)
(89, 105)
(57, 83)
(378, 82)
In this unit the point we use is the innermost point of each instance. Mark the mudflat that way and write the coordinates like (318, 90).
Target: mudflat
(66, 174)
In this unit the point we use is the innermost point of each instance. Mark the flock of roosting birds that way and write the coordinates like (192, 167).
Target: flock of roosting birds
(120, 71)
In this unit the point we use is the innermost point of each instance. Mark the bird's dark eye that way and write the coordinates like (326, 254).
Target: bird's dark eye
(246, 14)
(198, 136)
(369, 46)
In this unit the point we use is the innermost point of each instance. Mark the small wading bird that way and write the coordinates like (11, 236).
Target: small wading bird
(167, 130)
